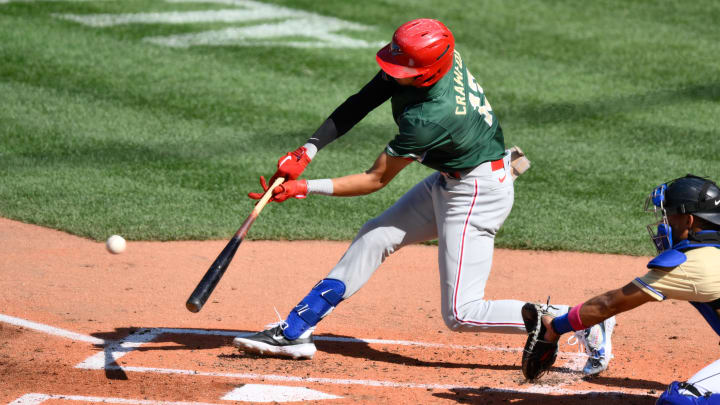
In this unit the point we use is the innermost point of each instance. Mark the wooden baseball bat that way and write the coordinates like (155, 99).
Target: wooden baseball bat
(217, 269)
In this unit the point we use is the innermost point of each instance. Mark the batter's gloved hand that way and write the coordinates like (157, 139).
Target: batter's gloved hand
(539, 354)
(292, 165)
(289, 189)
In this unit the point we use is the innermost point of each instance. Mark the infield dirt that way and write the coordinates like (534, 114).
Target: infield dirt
(54, 284)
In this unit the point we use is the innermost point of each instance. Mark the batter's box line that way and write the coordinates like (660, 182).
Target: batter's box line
(145, 335)
(39, 398)
(107, 360)
(114, 349)
(534, 389)
(117, 349)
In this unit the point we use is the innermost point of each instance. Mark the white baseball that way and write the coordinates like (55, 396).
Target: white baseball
(115, 244)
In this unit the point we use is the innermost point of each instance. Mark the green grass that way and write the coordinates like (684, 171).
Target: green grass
(105, 133)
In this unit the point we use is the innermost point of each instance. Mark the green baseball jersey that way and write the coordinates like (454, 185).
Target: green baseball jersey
(449, 126)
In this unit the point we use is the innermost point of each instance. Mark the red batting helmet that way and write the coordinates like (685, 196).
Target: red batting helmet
(422, 48)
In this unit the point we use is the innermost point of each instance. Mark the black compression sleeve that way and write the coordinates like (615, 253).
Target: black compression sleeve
(354, 109)
(325, 134)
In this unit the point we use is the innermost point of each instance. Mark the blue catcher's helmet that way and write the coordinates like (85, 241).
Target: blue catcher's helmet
(685, 195)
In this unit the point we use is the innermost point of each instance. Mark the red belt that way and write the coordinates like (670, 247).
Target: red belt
(494, 165)
(497, 164)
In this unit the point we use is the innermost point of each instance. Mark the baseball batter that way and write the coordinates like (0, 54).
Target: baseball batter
(688, 242)
(444, 122)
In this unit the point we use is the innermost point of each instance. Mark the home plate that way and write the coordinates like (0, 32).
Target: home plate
(274, 393)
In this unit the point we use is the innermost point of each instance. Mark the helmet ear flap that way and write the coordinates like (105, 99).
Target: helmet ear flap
(662, 238)
(423, 79)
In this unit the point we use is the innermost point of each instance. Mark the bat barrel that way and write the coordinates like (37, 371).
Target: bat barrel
(206, 286)
(215, 272)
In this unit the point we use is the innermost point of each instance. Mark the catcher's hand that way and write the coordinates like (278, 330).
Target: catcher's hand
(539, 355)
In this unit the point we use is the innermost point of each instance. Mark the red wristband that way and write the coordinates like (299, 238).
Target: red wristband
(574, 318)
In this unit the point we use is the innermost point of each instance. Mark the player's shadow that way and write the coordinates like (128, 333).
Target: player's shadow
(328, 343)
(165, 341)
(650, 386)
(489, 396)
(113, 371)
(362, 350)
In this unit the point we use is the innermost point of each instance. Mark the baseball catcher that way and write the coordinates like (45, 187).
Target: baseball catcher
(687, 238)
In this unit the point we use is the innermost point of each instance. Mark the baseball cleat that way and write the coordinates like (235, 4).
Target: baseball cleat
(597, 341)
(273, 341)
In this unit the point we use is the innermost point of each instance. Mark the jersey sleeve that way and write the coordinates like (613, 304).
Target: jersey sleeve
(696, 280)
(656, 285)
(416, 137)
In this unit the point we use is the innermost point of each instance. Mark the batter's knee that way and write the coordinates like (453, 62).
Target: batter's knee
(453, 317)
(369, 226)
(452, 322)
(377, 237)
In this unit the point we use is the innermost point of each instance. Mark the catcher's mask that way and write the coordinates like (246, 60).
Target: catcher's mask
(685, 195)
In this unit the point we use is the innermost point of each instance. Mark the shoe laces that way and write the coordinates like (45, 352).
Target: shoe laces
(280, 322)
(577, 338)
(592, 343)
(548, 306)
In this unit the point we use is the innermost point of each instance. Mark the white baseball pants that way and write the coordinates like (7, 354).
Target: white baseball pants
(464, 215)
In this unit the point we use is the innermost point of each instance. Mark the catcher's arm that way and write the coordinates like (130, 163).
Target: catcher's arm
(611, 303)
(541, 345)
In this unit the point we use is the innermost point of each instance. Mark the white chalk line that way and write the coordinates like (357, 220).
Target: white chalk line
(145, 335)
(101, 362)
(36, 398)
(264, 29)
(389, 342)
(117, 349)
(50, 330)
(535, 389)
